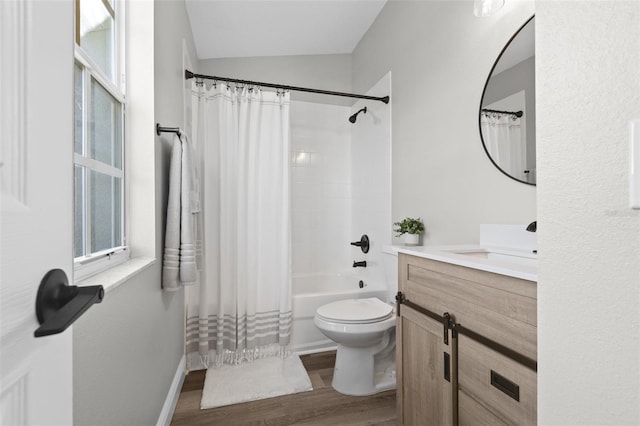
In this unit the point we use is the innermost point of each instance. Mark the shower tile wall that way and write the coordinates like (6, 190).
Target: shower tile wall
(321, 188)
(371, 180)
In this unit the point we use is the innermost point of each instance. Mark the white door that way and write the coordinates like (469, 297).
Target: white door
(36, 127)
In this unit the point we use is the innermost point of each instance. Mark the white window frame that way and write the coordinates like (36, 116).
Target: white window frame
(93, 263)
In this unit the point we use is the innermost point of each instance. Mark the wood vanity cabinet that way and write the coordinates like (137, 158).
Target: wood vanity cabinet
(466, 346)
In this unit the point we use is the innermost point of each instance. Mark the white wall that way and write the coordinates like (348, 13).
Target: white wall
(321, 187)
(440, 55)
(588, 82)
(127, 349)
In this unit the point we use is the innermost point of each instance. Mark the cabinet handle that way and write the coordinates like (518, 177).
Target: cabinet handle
(446, 325)
(447, 367)
(505, 385)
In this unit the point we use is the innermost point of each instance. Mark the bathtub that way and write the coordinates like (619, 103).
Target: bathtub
(312, 291)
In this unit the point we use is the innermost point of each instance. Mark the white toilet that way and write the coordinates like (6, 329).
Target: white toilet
(364, 330)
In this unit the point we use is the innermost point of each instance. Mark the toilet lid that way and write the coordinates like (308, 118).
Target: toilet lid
(356, 311)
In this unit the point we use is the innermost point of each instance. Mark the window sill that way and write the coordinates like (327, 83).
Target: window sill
(112, 278)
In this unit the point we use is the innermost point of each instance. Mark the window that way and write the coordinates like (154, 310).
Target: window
(99, 228)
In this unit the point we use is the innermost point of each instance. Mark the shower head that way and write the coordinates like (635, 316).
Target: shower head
(354, 116)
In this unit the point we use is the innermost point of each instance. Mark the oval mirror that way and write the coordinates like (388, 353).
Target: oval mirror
(508, 108)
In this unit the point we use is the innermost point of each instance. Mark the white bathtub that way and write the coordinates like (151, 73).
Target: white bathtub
(311, 292)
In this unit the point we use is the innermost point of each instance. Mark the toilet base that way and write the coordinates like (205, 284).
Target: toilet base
(383, 382)
(364, 371)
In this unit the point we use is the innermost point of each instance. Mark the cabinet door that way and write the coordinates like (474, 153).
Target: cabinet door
(426, 371)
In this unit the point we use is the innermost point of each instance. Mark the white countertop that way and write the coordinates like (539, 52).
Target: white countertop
(512, 262)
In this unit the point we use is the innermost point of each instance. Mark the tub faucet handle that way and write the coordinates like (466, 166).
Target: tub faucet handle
(362, 264)
(363, 243)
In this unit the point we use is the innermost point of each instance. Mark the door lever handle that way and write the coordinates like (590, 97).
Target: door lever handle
(58, 304)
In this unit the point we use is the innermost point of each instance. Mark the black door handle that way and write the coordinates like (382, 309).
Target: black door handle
(58, 304)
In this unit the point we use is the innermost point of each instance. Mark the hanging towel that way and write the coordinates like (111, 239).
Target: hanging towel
(179, 263)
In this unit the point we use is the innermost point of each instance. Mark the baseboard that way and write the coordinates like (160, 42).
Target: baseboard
(172, 396)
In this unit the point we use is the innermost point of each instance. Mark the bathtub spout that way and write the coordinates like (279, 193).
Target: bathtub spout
(357, 264)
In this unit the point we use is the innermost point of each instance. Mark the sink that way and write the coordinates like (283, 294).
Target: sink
(519, 257)
(511, 261)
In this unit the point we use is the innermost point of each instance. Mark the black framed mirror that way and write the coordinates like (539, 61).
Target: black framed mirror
(507, 116)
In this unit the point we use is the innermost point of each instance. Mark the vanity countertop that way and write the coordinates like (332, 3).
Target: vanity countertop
(516, 263)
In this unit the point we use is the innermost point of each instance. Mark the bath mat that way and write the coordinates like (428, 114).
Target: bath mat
(263, 378)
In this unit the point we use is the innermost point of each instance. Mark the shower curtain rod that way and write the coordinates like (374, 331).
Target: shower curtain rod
(516, 113)
(189, 75)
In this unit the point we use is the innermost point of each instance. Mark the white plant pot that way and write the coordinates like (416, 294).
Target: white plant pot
(411, 239)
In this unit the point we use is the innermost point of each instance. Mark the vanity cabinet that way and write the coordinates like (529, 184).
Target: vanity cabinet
(485, 323)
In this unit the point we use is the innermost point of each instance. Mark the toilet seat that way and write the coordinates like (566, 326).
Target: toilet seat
(355, 311)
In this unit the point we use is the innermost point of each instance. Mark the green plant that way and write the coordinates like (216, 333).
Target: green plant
(408, 226)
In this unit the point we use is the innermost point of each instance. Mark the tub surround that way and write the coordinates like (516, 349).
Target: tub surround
(321, 188)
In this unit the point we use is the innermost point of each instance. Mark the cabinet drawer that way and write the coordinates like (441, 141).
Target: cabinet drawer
(472, 413)
(502, 385)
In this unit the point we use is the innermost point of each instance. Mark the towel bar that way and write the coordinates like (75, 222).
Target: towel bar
(160, 129)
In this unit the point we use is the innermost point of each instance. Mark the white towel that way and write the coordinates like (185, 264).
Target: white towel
(179, 264)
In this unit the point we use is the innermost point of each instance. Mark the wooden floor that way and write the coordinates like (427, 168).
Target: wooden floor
(322, 406)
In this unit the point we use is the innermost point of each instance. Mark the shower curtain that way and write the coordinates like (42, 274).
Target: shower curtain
(502, 136)
(242, 308)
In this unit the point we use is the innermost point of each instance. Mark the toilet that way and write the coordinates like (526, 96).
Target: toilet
(364, 330)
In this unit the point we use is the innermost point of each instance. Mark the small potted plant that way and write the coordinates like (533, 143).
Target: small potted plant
(411, 229)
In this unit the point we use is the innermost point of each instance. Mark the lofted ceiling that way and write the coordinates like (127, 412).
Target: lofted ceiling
(249, 28)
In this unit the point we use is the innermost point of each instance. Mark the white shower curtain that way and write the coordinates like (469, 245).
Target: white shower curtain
(502, 136)
(242, 308)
